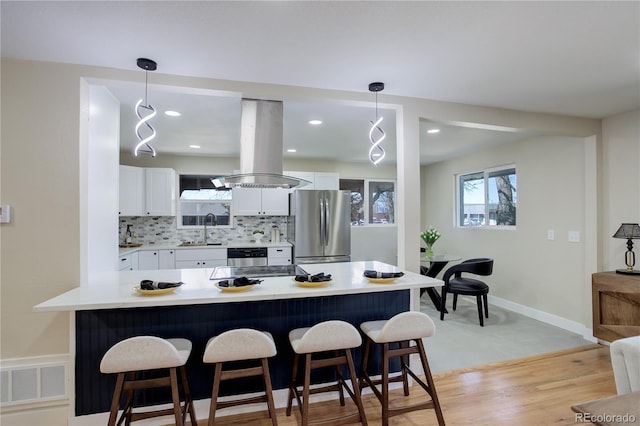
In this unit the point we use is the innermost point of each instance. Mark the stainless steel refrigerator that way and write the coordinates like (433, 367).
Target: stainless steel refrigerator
(321, 230)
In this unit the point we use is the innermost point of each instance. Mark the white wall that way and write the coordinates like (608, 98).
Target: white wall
(621, 185)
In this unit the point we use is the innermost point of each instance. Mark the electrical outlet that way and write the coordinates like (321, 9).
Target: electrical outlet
(574, 236)
(551, 234)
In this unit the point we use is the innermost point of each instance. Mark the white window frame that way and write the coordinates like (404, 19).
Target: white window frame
(459, 202)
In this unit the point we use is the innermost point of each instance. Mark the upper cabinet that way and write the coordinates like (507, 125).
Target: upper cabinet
(260, 201)
(319, 180)
(160, 192)
(131, 199)
(147, 191)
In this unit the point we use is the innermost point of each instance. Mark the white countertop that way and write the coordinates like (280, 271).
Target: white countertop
(115, 290)
(123, 251)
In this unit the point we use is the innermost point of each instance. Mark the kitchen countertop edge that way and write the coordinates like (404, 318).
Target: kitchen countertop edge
(115, 290)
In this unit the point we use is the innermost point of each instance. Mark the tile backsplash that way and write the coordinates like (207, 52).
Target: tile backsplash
(162, 230)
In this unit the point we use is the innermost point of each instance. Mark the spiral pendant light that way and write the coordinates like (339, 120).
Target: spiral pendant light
(145, 112)
(376, 146)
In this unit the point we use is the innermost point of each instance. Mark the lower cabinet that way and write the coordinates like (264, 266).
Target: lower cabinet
(129, 262)
(201, 258)
(156, 259)
(279, 256)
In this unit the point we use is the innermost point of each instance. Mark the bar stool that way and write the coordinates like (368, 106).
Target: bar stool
(332, 337)
(241, 344)
(400, 330)
(142, 353)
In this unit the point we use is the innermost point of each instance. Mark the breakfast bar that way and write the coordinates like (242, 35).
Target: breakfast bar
(109, 309)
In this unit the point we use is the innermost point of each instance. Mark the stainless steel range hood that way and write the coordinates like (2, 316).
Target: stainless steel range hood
(261, 149)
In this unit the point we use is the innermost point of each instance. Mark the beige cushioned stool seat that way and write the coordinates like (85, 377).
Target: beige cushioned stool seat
(145, 353)
(404, 326)
(239, 344)
(325, 336)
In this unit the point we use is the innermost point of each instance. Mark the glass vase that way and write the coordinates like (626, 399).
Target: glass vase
(429, 251)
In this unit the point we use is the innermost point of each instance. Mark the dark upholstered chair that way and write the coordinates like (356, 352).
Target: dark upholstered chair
(456, 284)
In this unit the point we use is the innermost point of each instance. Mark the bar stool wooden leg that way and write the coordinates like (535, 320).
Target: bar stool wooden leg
(432, 388)
(306, 389)
(356, 388)
(177, 411)
(188, 408)
(339, 377)
(214, 393)
(292, 385)
(404, 366)
(269, 390)
(115, 403)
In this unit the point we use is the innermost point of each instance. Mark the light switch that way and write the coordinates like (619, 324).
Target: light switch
(5, 213)
(551, 234)
(574, 236)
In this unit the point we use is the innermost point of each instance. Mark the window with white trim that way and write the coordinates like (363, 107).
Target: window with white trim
(198, 198)
(487, 198)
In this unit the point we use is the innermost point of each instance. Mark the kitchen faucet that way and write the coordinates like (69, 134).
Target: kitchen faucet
(214, 222)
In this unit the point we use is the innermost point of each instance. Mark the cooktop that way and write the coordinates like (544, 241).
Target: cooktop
(222, 272)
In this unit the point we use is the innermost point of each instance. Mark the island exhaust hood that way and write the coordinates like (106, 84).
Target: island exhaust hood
(261, 148)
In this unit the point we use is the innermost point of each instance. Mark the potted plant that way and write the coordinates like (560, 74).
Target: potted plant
(430, 236)
(258, 234)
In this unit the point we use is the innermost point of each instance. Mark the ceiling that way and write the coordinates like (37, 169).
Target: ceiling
(571, 58)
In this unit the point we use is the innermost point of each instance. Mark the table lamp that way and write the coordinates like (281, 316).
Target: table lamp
(629, 231)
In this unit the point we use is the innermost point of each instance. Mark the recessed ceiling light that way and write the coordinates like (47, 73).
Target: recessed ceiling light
(433, 131)
(315, 122)
(172, 113)
(194, 146)
(291, 150)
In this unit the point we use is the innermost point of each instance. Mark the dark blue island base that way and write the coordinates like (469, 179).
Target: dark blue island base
(98, 330)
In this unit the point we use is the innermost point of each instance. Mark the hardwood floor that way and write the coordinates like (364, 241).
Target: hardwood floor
(529, 391)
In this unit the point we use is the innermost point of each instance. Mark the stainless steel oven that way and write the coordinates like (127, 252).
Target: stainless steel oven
(247, 256)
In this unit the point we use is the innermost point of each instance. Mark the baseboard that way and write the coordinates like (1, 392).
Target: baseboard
(557, 321)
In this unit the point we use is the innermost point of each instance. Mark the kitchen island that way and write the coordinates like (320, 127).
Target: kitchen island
(108, 310)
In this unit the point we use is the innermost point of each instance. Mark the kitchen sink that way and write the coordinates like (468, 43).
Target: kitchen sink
(198, 244)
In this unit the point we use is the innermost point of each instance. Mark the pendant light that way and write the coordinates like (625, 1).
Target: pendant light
(143, 142)
(375, 126)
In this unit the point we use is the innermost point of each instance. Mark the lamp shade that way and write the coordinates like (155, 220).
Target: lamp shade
(628, 231)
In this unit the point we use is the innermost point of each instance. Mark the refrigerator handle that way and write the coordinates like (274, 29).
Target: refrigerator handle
(327, 217)
(322, 221)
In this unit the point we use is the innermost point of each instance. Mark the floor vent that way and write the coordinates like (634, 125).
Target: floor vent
(33, 380)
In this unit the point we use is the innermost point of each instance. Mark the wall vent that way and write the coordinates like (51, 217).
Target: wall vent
(33, 380)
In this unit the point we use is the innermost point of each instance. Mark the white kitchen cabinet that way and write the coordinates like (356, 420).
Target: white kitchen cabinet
(160, 192)
(308, 176)
(148, 259)
(131, 201)
(279, 256)
(319, 180)
(166, 259)
(128, 262)
(326, 180)
(156, 259)
(200, 258)
(260, 201)
(147, 191)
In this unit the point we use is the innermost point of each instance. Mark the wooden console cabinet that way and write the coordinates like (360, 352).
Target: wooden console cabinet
(616, 305)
